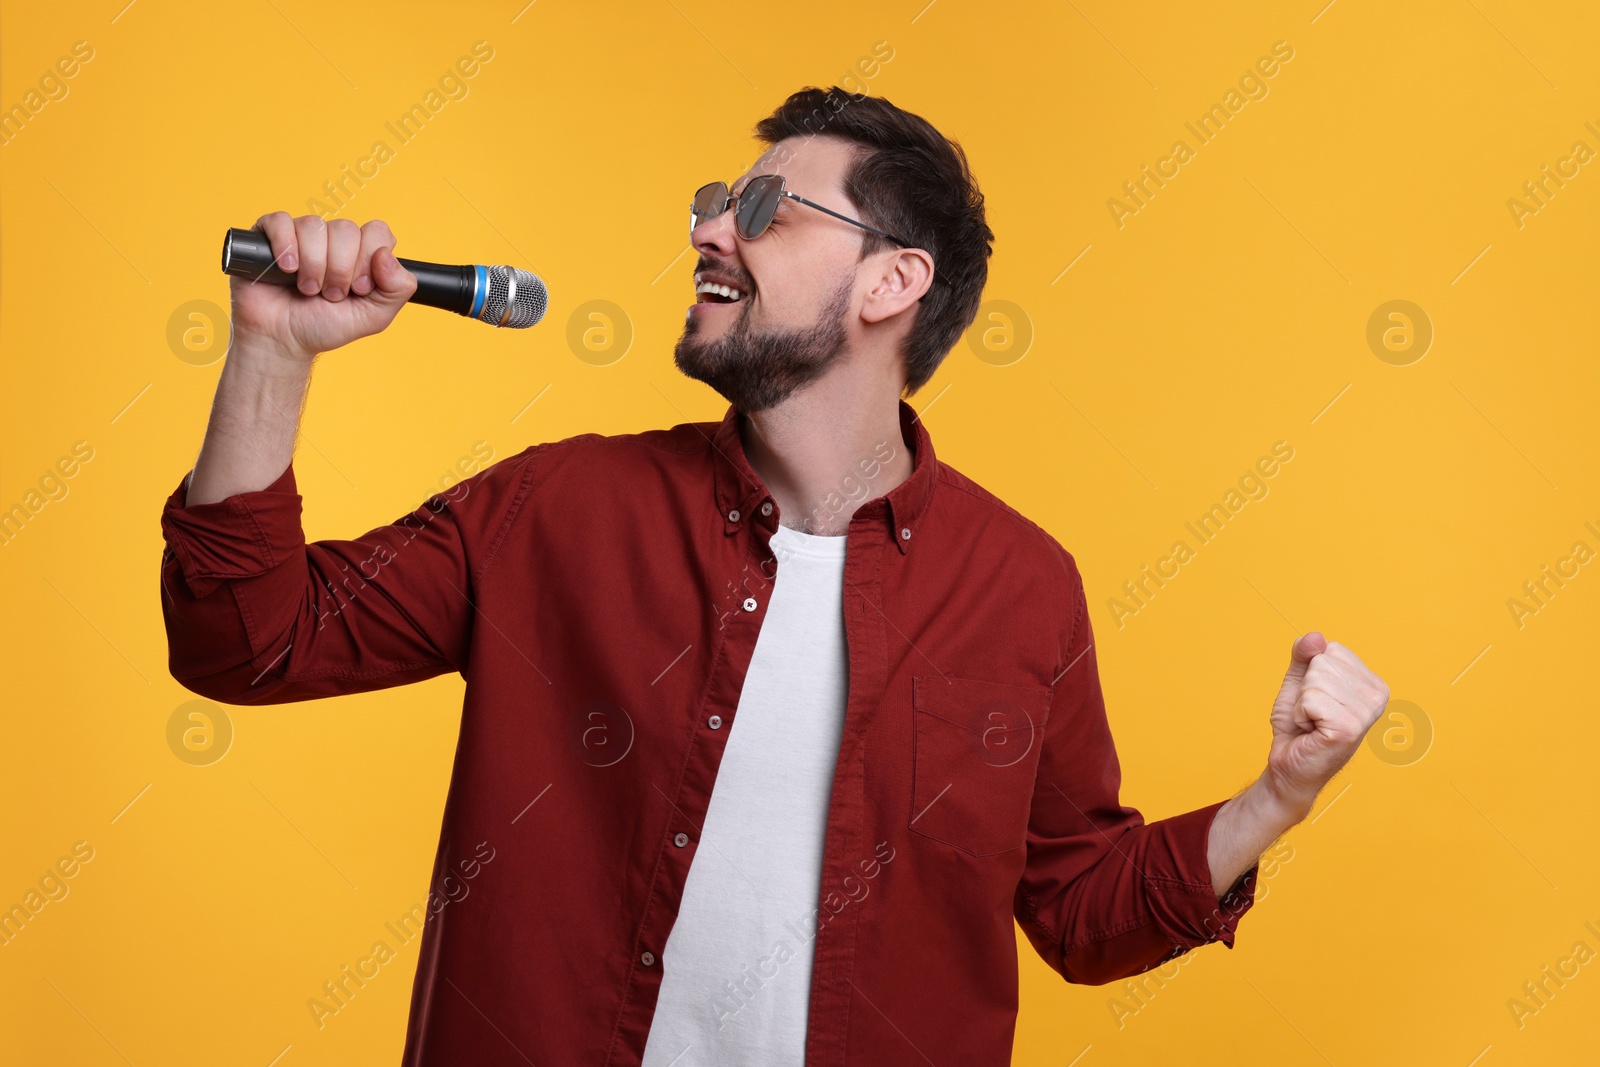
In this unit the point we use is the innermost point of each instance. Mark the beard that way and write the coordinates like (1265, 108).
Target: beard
(757, 370)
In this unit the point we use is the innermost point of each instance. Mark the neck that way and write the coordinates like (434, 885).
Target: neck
(827, 450)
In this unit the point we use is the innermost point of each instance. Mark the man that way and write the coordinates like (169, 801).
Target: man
(772, 726)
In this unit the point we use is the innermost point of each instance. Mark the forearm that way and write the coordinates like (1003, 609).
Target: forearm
(255, 419)
(1243, 829)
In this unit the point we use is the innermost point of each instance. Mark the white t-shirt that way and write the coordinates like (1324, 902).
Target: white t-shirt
(736, 977)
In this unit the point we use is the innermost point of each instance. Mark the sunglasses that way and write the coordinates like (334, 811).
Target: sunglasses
(758, 205)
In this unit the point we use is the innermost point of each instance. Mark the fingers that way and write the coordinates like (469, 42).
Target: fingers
(1316, 705)
(1328, 672)
(1301, 653)
(1348, 658)
(374, 235)
(391, 280)
(1307, 646)
(337, 258)
(1348, 666)
(279, 228)
(344, 242)
(1340, 674)
(311, 235)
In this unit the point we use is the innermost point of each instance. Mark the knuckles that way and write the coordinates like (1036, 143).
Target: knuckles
(374, 228)
(1326, 683)
(1313, 694)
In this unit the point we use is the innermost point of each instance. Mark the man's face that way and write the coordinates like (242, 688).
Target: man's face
(792, 320)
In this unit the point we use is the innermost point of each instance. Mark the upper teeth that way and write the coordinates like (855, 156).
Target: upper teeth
(722, 290)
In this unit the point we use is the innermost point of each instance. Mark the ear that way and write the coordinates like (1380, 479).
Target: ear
(906, 274)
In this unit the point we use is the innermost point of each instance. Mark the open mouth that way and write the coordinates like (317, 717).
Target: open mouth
(716, 293)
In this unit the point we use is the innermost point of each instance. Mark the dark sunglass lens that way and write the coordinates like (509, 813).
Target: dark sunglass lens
(757, 204)
(709, 200)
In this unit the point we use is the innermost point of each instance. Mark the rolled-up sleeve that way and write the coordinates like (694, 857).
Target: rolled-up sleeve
(1105, 895)
(256, 615)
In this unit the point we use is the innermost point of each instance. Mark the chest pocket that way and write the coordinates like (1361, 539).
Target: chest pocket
(975, 754)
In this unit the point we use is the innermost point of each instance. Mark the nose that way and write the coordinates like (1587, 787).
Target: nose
(715, 235)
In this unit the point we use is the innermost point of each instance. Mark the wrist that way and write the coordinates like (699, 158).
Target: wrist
(1276, 804)
(269, 357)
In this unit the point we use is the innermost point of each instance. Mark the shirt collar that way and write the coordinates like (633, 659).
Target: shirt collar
(741, 494)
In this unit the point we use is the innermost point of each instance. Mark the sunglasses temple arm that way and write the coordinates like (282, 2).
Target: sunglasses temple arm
(903, 244)
(846, 218)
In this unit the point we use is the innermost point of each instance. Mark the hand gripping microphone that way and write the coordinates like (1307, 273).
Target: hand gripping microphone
(500, 296)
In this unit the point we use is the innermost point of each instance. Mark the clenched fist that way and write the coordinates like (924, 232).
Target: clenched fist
(349, 285)
(1328, 702)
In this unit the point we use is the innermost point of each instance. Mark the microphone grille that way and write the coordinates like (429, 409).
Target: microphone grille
(516, 298)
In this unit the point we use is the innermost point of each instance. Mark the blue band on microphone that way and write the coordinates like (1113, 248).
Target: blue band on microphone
(480, 290)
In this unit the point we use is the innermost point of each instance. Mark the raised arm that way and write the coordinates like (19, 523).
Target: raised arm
(256, 615)
(350, 285)
(1105, 895)
(1328, 702)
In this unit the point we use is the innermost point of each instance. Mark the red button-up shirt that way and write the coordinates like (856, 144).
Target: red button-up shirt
(601, 596)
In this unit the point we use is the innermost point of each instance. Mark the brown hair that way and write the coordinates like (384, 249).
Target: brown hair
(911, 181)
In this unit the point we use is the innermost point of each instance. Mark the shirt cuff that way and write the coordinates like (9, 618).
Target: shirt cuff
(1190, 911)
(238, 537)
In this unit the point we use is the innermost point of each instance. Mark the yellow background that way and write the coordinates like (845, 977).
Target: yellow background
(1227, 314)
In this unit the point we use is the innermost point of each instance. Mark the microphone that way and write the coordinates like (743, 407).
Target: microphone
(500, 296)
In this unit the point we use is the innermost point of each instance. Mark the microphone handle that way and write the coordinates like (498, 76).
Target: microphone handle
(248, 253)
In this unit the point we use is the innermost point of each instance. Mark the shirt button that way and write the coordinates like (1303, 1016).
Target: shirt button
(680, 840)
(749, 603)
(647, 958)
(766, 508)
(715, 722)
(905, 533)
(733, 516)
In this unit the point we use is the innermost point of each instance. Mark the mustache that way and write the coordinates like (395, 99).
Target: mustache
(739, 276)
